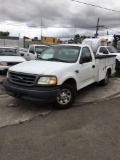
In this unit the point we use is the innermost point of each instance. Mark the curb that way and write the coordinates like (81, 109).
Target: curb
(114, 96)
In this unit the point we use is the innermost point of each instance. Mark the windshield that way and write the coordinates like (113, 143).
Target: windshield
(112, 50)
(67, 54)
(40, 49)
(8, 52)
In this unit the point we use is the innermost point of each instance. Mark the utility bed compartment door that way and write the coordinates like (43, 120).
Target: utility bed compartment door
(103, 63)
(110, 61)
(101, 69)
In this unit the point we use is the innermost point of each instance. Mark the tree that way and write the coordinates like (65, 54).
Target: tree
(35, 38)
(59, 40)
(4, 33)
(25, 37)
(77, 38)
(71, 41)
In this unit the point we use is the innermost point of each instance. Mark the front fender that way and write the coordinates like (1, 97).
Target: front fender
(65, 77)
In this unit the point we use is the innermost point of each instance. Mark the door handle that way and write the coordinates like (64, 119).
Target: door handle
(77, 71)
(93, 66)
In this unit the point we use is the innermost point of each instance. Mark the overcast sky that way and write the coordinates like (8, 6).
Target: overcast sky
(59, 17)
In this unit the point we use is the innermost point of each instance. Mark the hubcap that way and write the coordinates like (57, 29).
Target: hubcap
(64, 96)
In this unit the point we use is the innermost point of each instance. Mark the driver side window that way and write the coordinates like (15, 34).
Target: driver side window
(85, 55)
(32, 50)
(103, 50)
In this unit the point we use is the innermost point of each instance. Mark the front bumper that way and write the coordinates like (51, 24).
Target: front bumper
(36, 93)
(4, 68)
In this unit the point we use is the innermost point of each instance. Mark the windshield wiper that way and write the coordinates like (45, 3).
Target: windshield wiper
(56, 59)
(12, 55)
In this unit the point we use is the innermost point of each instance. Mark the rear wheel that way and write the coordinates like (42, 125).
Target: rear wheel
(105, 81)
(65, 97)
(117, 65)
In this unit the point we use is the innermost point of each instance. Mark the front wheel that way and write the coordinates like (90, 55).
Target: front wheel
(65, 97)
(105, 81)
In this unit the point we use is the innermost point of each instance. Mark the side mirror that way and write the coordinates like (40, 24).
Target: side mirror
(32, 51)
(85, 60)
(22, 54)
(38, 55)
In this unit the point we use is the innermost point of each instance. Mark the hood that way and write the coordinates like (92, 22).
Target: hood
(39, 67)
(117, 55)
(11, 59)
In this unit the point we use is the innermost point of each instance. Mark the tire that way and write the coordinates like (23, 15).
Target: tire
(105, 81)
(65, 97)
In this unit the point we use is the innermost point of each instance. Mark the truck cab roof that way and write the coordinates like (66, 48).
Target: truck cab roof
(39, 45)
(77, 45)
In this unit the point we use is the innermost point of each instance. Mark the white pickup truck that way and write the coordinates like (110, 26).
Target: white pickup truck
(109, 50)
(58, 74)
(102, 46)
(34, 51)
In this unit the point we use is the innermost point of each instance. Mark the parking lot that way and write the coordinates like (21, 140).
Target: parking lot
(15, 111)
(86, 132)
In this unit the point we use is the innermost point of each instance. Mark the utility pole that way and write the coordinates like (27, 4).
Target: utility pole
(41, 30)
(74, 31)
(18, 39)
(97, 27)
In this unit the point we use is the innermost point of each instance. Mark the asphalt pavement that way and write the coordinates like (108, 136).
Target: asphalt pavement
(85, 132)
(15, 111)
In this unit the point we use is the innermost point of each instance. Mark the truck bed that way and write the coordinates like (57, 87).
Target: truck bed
(104, 56)
(103, 62)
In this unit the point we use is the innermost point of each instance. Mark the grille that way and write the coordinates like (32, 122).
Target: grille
(22, 79)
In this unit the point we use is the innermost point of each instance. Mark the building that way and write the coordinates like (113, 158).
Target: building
(11, 41)
(49, 40)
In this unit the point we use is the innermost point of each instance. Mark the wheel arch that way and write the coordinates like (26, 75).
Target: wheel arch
(72, 82)
(109, 70)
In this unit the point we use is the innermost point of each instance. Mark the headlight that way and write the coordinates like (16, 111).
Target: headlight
(47, 80)
(3, 63)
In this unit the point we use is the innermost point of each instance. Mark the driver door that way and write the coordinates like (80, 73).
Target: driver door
(32, 53)
(86, 68)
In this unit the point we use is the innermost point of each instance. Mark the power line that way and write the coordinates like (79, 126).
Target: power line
(11, 24)
(96, 6)
(47, 26)
(89, 28)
